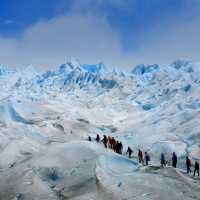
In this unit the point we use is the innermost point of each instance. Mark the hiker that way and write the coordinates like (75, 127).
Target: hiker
(196, 168)
(120, 147)
(129, 151)
(162, 158)
(117, 147)
(97, 138)
(147, 158)
(105, 140)
(109, 140)
(112, 142)
(174, 160)
(188, 163)
(114, 145)
(140, 156)
(89, 138)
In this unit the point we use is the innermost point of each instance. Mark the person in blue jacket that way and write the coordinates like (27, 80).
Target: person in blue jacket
(147, 158)
(162, 159)
(174, 160)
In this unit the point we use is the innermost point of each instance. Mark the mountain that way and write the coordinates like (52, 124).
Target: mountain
(46, 119)
(9, 78)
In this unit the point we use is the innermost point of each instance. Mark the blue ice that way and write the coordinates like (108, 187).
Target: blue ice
(186, 88)
(24, 153)
(119, 184)
(19, 196)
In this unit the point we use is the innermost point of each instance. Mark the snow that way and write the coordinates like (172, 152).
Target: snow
(46, 119)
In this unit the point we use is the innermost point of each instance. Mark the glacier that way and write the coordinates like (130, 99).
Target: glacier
(46, 119)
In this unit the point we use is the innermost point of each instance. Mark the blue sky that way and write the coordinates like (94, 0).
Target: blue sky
(48, 33)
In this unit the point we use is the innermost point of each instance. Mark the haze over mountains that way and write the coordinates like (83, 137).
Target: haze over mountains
(45, 121)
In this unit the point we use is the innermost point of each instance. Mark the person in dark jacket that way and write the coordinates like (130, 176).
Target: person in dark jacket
(174, 160)
(147, 158)
(117, 147)
(188, 163)
(89, 138)
(120, 147)
(196, 168)
(162, 158)
(129, 151)
(105, 140)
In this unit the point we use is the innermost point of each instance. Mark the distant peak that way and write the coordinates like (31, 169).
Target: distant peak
(29, 66)
(138, 69)
(116, 71)
(30, 71)
(3, 69)
(17, 70)
(179, 62)
(96, 67)
(141, 69)
(74, 63)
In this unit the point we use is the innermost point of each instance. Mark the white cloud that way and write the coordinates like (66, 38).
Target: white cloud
(10, 22)
(166, 42)
(49, 43)
(86, 34)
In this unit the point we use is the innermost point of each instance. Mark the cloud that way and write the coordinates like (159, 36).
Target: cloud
(169, 40)
(12, 22)
(85, 32)
(49, 43)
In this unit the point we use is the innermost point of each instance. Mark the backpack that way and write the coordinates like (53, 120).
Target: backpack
(149, 158)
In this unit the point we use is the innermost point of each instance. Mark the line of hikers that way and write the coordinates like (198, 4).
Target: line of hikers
(111, 143)
(117, 147)
(187, 163)
(140, 156)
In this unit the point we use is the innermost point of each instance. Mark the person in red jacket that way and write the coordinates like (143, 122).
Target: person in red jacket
(109, 142)
(188, 163)
(140, 156)
(114, 144)
(97, 138)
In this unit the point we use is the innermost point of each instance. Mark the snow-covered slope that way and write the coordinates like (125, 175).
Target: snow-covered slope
(45, 121)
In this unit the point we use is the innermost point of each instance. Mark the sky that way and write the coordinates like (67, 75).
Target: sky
(48, 33)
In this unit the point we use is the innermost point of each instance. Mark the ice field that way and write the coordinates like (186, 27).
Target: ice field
(45, 121)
